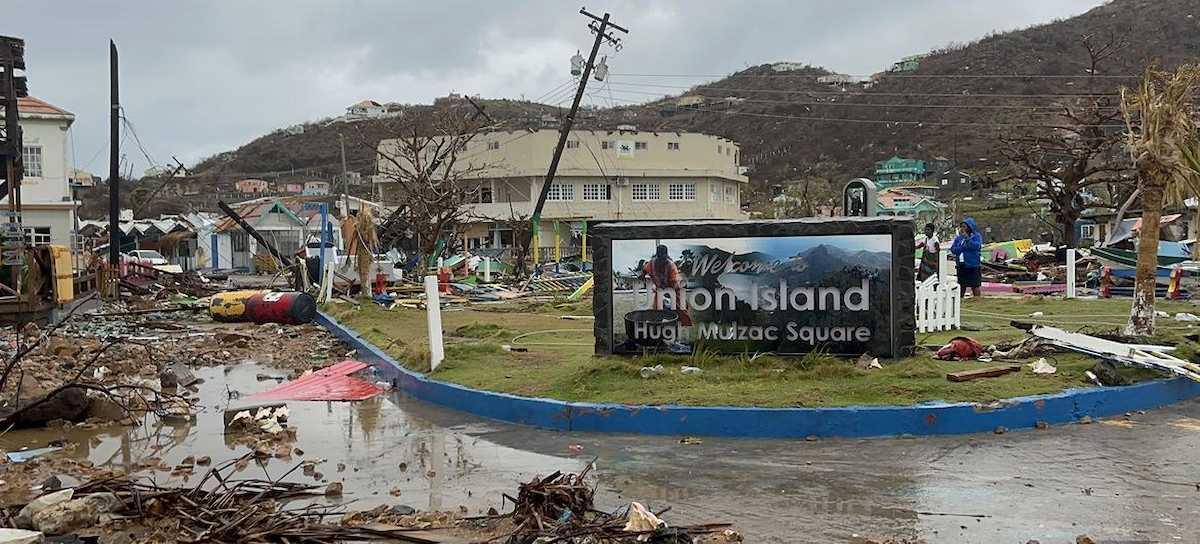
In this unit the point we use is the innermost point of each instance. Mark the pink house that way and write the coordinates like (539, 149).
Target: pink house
(252, 186)
(293, 188)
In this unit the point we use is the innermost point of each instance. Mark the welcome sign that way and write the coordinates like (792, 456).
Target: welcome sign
(841, 286)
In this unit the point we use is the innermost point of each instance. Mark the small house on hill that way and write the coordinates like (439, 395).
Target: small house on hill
(897, 170)
(366, 108)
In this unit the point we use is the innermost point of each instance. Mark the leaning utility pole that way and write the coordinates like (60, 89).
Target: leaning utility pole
(114, 164)
(599, 26)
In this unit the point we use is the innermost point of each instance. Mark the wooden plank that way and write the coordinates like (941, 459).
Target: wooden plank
(989, 372)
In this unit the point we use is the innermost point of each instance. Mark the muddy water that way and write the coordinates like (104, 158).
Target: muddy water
(390, 456)
(1115, 480)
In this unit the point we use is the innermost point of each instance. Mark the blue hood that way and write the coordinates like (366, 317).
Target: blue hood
(970, 221)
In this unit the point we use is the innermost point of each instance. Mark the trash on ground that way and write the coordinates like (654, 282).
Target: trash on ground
(688, 370)
(1040, 366)
(989, 372)
(1185, 316)
(1145, 356)
(652, 371)
(959, 348)
(25, 455)
(641, 519)
(20, 536)
(560, 507)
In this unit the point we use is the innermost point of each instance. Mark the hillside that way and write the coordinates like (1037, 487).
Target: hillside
(954, 104)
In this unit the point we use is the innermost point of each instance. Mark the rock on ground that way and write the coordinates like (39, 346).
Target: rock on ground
(76, 514)
(69, 404)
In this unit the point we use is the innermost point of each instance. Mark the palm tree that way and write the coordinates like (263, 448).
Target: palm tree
(1162, 138)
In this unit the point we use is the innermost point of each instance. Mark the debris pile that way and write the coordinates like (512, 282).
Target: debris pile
(263, 429)
(560, 508)
(218, 508)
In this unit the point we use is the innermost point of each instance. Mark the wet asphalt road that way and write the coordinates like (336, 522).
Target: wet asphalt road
(1119, 480)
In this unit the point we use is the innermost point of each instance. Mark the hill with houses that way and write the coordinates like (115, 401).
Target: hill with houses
(951, 104)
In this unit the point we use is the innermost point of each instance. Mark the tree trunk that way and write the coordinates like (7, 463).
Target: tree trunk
(1141, 314)
(1068, 231)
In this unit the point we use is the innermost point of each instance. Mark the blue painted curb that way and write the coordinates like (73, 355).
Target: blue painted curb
(852, 421)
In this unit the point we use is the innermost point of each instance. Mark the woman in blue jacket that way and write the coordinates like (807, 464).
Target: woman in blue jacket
(966, 249)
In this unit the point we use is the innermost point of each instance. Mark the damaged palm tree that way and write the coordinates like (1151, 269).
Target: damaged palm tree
(1161, 137)
(364, 243)
(435, 173)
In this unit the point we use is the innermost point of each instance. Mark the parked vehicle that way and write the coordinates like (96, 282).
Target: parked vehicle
(147, 257)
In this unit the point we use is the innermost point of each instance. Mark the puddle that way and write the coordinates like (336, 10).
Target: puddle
(390, 456)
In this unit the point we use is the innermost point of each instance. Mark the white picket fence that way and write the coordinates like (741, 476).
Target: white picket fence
(939, 305)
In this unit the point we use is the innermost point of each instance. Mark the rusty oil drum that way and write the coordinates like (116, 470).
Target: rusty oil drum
(284, 307)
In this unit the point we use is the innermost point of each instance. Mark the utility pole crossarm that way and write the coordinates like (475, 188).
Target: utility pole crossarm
(599, 26)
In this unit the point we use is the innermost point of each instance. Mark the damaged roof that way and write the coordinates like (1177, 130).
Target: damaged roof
(29, 106)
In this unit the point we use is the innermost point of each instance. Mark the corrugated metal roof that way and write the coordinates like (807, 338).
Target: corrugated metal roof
(329, 383)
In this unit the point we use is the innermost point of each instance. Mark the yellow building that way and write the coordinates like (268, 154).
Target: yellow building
(603, 175)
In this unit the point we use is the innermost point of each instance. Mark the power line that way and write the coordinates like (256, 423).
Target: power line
(917, 123)
(964, 94)
(867, 105)
(129, 126)
(886, 75)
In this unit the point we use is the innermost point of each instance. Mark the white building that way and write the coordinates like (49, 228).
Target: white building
(366, 108)
(603, 175)
(48, 212)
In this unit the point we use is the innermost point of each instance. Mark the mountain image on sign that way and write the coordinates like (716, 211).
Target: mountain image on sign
(782, 294)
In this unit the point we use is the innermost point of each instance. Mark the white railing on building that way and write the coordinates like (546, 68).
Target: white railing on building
(939, 305)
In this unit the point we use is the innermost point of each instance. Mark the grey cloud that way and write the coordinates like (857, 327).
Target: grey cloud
(202, 77)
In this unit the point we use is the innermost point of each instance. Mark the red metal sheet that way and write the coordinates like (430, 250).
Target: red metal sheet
(330, 383)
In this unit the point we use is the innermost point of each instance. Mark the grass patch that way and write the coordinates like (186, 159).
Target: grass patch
(481, 331)
(560, 363)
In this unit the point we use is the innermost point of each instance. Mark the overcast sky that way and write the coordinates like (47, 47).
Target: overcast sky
(198, 78)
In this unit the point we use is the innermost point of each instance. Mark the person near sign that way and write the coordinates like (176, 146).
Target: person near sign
(966, 249)
(931, 248)
(664, 273)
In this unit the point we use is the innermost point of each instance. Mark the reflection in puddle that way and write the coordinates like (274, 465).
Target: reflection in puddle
(388, 456)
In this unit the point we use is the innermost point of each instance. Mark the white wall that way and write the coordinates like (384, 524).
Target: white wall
(51, 136)
(61, 223)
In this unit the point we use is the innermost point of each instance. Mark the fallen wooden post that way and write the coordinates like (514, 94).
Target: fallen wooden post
(989, 372)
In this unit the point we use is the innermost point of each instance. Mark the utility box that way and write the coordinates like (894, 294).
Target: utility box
(64, 274)
(836, 285)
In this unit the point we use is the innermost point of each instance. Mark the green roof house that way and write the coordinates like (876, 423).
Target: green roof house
(897, 170)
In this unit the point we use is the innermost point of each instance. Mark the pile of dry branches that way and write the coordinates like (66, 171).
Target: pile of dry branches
(560, 507)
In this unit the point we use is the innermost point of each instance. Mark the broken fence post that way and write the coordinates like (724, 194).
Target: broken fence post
(1070, 273)
(487, 270)
(433, 309)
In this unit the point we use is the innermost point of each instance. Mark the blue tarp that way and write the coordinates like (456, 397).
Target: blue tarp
(1167, 248)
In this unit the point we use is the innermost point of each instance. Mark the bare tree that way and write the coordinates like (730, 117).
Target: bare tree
(435, 177)
(1082, 151)
(521, 227)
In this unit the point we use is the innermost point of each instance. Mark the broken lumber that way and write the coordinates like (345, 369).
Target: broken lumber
(989, 372)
